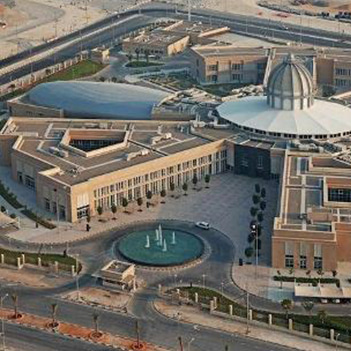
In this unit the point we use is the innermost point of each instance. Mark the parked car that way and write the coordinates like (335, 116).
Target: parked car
(203, 225)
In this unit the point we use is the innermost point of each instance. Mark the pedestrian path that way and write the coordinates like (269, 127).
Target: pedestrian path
(202, 319)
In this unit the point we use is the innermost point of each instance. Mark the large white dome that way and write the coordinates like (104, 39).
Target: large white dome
(290, 86)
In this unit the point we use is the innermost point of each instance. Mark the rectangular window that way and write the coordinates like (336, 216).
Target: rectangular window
(29, 182)
(47, 204)
(212, 67)
(318, 259)
(289, 261)
(259, 162)
(83, 211)
(303, 262)
(339, 194)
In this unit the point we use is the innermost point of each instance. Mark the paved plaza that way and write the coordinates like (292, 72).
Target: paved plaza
(225, 205)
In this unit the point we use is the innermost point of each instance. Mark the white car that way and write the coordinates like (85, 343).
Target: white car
(203, 225)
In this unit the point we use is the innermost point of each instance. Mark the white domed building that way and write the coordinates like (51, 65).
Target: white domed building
(289, 110)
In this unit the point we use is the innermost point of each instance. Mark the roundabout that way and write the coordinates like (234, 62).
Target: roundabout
(160, 247)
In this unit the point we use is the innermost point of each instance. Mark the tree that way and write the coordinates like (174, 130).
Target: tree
(250, 238)
(172, 188)
(260, 217)
(257, 188)
(14, 297)
(263, 205)
(99, 210)
(308, 307)
(287, 305)
(253, 211)
(114, 210)
(163, 195)
(308, 273)
(114, 80)
(322, 316)
(140, 203)
(147, 54)
(54, 307)
(102, 79)
(335, 273)
(207, 180)
(194, 180)
(130, 57)
(263, 192)
(96, 323)
(125, 204)
(149, 197)
(320, 273)
(47, 71)
(137, 52)
(255, 199)
(249, 252)
(185, 189)
(281, 280)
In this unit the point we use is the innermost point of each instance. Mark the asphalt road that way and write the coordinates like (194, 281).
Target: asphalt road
(238, 23)
(20, 338)
(154, 327)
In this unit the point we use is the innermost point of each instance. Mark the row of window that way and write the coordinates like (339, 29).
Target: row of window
(317, 262)
(342, 82)
(290, 136)
(133, 193)
(235, 66)
(51, 206)
(188, 165)
(27, 180)
(342, 72)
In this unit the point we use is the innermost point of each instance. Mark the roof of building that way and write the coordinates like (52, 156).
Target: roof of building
(323, 118)
(157, 38)
(97, 100)
(42, 139)
(290, 85)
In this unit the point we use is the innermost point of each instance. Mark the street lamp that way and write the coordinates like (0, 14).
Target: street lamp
(189, 343)
(3, 322)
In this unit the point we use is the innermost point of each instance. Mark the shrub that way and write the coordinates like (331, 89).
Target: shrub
(249, 252)
(255, 199)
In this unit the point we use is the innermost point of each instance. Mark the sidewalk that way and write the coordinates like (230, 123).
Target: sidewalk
(195, 316)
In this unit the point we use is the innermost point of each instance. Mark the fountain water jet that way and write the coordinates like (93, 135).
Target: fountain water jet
(147, 245)
(164, 249)
(173, 238)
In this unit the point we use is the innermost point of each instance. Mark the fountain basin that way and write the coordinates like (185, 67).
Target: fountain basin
(187, 247)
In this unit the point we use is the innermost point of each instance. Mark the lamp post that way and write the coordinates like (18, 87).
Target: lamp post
(3, 323)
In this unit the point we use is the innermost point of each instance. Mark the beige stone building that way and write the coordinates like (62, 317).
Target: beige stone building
(75, 166)
(159, 43)
(219, 64)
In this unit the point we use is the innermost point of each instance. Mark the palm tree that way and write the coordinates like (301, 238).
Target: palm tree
(14, 297)
(263, 205)
(185, 189)
(140, 203)
(172, 188)
(263, 192)
(137, 51)
(147, 54)
(322, 315)
(163, 195)
(287, 305)
(207, 180)
(96, 323)
(281, 280)
(125, 204)
(114, 210)
(308, 307)
(54, 307)
(194, 180)
(149, 197)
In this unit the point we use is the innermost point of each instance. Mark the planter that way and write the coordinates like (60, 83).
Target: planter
(140, 346)
(96, 335)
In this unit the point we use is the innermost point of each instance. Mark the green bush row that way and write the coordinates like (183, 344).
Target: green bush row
(9, 197)
(306, 280)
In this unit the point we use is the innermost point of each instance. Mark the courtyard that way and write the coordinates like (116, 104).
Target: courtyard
(225, 205)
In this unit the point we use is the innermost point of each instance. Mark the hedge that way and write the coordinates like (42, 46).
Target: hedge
(305, 280)
(9, 197)
(35, 218)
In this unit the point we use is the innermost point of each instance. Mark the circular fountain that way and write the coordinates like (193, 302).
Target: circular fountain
(160, 247)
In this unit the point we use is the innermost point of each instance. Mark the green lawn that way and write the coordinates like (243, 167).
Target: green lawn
(81, 69)
(139, 64)
(65, 262)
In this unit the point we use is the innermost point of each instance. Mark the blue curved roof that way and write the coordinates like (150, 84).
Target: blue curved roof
(98, 100)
